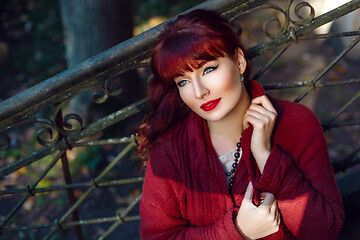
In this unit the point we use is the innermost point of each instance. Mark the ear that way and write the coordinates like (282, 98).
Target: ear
(240, 60)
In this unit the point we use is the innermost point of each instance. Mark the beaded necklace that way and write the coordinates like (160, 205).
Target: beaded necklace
(234, 165)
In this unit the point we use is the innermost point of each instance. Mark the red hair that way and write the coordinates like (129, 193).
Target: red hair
(185, 44)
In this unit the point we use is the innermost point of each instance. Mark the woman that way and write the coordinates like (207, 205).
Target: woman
(225, 160)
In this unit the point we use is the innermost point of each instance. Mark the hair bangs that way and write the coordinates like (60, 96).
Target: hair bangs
(186, 53)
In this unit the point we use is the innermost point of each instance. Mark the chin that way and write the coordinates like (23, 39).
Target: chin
(214, 118)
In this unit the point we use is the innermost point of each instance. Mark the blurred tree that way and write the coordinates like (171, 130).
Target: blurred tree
(92, 26)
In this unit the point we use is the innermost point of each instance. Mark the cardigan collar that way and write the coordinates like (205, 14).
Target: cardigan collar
(255, 90)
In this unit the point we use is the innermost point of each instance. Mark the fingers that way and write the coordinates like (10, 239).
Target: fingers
(249, 119)
(261, 114)
(278, 217)
(269, 199)
(262, 110)
(256, 119)
(276, 213)
(258, 116)
(249, 192)
(270, 208)
(265, 102)
(273, 209)
(246, 123)
(258, 222)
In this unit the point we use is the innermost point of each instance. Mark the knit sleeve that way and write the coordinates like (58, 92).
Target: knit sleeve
(303, 182)
(161, 213)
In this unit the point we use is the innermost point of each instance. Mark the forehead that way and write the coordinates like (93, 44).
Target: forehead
(197, 67)
(176, 66)
(183, 53)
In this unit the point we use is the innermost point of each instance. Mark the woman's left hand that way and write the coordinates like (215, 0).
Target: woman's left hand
(262, 115)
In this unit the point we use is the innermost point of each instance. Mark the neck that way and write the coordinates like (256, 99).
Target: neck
(226, 133)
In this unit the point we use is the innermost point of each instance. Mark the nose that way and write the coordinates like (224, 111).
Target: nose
(200, 90)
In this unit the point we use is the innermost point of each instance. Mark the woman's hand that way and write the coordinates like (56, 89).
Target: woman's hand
(257, 222)
(262, 115)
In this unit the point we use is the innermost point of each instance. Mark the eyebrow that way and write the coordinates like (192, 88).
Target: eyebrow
(201, 64)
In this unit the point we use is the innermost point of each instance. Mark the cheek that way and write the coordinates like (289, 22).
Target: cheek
(230, 83)
(186, 97)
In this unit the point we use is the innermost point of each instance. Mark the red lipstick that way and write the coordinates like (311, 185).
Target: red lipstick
(210, 105)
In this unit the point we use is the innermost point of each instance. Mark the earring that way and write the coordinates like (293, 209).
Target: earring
(242, 78)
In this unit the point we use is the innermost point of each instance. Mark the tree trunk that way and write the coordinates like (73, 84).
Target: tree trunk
(90, 27)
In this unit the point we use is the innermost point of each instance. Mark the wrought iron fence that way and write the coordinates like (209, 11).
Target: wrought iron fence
(63, 132)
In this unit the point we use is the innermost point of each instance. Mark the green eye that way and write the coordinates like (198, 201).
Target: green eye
(182, 83)
(209, 69)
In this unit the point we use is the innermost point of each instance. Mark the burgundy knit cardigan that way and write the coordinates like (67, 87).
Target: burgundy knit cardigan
(185, 195)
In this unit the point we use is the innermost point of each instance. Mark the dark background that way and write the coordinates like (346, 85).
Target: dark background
(33, 47)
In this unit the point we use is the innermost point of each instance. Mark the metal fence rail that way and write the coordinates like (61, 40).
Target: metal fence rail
(59, 134)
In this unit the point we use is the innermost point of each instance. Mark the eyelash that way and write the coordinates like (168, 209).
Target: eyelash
(209, 68)
(184, 82)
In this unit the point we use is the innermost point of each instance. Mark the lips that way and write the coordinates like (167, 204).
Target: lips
(210, 105)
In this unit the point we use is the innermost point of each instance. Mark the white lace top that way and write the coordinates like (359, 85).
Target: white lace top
(227, 160)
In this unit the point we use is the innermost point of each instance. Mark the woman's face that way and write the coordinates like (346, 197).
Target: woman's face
(214, 90)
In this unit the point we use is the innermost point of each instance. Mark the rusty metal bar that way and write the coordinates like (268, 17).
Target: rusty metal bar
(30, 188)
(132, 54)
(278, 86)
(271, 61)
(90, 73)
(333, 62)
(105, 142)
(329, 35)
(67, 176)
(327, 123)
(129, 55)
(342, 124)
(92, 188)
(349, 161)
(74, 185)
(297, 32)
(88, 131)
(71, 224)
(121, 219)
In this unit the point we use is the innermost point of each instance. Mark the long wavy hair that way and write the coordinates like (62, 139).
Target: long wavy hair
(185, 44)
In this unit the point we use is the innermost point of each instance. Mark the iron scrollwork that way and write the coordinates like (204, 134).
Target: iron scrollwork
(50, 131)
(47, 135)
(283, 28)
(65, 125)
(112, 87)
(62, 126)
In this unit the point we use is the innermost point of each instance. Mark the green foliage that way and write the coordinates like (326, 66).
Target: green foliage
(41, 200)
(15, 153)
(32, 43)
(89, 158)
